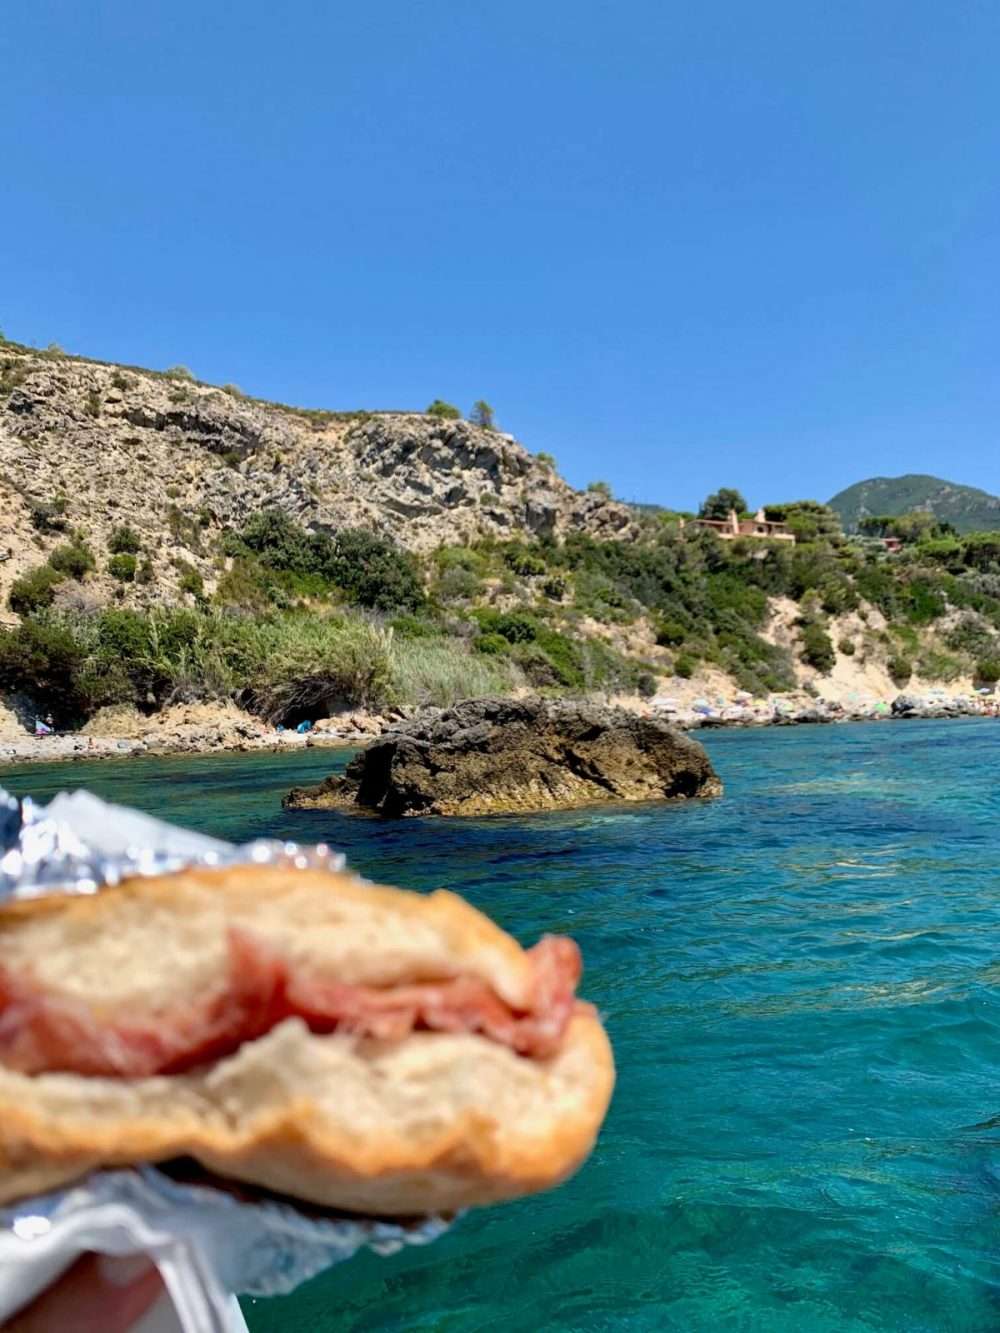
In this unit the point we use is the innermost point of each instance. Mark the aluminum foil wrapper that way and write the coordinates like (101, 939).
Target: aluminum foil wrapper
(207, 1243)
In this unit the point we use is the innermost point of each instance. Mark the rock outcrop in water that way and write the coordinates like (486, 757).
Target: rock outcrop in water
(498, 756)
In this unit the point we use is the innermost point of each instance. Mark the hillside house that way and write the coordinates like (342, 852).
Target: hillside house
(758, 527)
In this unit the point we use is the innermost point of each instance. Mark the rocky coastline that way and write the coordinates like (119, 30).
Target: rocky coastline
(199, 729)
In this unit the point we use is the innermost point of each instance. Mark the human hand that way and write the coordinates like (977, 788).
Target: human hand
(98, 1294)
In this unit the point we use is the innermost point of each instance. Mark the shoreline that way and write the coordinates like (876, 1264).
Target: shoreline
(242, 734)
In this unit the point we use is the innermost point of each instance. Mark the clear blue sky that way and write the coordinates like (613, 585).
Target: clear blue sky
(677, 245)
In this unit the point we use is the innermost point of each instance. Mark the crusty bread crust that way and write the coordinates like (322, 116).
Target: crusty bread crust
(434, 1123)
(148, 941)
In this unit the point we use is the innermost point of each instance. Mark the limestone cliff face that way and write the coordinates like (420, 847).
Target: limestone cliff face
(181, 461)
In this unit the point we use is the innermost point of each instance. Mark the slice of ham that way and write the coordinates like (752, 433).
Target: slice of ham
(42, 1032)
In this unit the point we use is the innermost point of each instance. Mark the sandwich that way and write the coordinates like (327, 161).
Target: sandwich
(358, 1048)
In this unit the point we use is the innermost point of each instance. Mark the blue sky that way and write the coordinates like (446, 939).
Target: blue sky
(677, 245)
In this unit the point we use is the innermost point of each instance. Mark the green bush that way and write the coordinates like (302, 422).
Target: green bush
(600, 488)
(73, 559)
(371, 570)
(42, 660)
(900, 669)
(412, 627)
(523, 562)
(546, 459)
(92, 406)
(646, 685)
(34, 590)
(817, 647)
(458, 584)
(122, 567)
(670, 633)
(988, 670)
(178, 373)
(375, 573)
(555, 588)
(685, 666)
(846, 646)
(514, 626)
(935, 665)
(445, 411)
(49, 515)
(124, 540)
(482, 414)
(970, 635)
(190, 581)
(493, 645)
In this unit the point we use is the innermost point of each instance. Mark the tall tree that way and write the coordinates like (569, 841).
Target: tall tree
(721, 502)
(482, 415)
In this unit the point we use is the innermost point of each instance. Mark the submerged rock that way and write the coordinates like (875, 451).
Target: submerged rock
(498, 756)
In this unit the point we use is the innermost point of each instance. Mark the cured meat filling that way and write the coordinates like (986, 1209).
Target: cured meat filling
(42, 1032)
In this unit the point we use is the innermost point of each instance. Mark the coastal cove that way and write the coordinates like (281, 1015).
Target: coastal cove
(800, 983)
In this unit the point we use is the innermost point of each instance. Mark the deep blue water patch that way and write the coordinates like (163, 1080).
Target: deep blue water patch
(801, 982)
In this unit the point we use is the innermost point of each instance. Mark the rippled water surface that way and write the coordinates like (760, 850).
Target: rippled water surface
(801, 983)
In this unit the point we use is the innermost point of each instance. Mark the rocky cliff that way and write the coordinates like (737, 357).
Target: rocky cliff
(180, 461)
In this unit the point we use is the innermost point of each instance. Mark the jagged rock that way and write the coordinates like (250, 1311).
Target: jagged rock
(906, 705)
(180, 462)
(494, 756)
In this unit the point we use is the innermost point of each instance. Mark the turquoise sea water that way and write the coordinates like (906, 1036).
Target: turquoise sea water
(802, 983)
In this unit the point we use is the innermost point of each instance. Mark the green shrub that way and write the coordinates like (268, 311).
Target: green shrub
(34, 590)
(145, 573)
(546, 459)
(493, 645)
(988, 670)
(685, 666)
(900, 669)
(412, 627)
(555, 588)
(42, 660)
(935, 665)
(371, 570)
(646, 685)
(599, 488)
(122, 567)
(190, 581)
(458, 584)
(523, 562)
(49, 515)
(92, 406)
(482, 414)
(670, 633)
(375, 573)
(73, 558)
(846, 646)
(514, 626)
(817, 647)
(124, 540)
(445, 411)
(178, 373)
(970, 635)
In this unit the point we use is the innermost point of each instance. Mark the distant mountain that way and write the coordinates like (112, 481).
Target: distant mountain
(965, 507)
